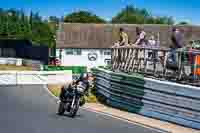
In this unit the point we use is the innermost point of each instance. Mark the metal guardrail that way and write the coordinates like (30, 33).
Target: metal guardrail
(34, 77)
(152, 62)
(21, 62)
(149, 97)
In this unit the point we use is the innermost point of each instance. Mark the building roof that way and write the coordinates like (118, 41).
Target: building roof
(74, 35)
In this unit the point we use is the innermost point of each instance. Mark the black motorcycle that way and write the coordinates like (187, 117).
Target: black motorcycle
(72, 99)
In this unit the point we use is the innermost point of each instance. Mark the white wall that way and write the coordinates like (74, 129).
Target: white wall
(82, 60)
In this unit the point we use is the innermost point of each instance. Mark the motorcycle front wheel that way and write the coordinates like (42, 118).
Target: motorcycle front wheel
(75, 108)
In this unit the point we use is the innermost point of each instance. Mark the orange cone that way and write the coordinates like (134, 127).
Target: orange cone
(197, 64)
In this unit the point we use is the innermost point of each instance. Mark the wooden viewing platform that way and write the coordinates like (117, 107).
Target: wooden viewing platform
(152, 62)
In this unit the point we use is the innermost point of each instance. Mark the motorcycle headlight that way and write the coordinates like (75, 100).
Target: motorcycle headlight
(80, 89)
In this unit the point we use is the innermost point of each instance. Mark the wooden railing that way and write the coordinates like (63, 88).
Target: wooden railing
(152, 62)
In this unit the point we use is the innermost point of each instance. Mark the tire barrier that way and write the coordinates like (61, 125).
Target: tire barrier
(163, 100)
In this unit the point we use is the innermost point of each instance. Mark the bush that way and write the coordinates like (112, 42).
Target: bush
(75, 69)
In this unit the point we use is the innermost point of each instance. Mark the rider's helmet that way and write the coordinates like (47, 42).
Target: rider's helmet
(84, 76)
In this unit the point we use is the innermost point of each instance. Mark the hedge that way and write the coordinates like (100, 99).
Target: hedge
(75, 69)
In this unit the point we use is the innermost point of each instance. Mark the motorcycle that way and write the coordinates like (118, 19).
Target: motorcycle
(72, 99)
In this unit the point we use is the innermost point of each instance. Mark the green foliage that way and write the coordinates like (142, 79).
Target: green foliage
(83, 17)
(54, 19)
(75, 69)
(14, 24)
(183, 23)
(132, 15)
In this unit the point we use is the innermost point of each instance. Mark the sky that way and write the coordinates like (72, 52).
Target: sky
(180, 10)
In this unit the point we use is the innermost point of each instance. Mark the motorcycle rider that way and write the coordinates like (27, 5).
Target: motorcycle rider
(83, 78)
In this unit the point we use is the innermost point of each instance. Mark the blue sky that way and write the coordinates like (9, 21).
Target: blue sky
(187, 10)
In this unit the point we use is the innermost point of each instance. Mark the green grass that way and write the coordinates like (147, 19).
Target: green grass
(55, 89)
(15, 68)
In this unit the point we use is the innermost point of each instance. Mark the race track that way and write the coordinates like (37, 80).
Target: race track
(30, 109)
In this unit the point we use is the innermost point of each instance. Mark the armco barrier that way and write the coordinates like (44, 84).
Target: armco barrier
(158, 99)
(34, 77)
(21, 62)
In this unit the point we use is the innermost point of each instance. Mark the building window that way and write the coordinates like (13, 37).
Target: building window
(69, 51)
(107, 52)
(101, 52)
(73, 51)
(107, 61)
(77, 52)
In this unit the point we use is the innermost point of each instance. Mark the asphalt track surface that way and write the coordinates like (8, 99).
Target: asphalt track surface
(30, 109)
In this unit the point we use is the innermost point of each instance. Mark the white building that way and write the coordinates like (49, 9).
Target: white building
(84, 57)
(82, 45)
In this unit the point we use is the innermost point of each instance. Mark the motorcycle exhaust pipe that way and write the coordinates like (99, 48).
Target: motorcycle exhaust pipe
(58, 102)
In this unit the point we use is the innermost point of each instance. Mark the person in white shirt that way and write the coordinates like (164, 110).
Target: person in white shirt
(151, 44)
(152, 41)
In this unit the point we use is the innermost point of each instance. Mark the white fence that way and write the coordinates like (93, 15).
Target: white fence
(34, 77)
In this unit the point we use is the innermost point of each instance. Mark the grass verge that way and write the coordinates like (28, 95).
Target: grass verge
(15, 68)
(55, 89)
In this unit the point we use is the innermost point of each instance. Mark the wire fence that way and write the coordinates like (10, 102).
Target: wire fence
(157, 63)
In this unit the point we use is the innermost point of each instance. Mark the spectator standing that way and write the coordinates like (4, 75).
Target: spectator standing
(177, 39)
(151, 44)
(141, 37)
(123, 39)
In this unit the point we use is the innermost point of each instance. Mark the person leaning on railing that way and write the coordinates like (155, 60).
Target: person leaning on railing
(141, 37)
(141, 40)
(123, 39)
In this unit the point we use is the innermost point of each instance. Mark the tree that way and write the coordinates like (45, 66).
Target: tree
(132, 15)
(164, 20)
(183, 23)
(83, 17)
(54, 19)
(14, 24)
